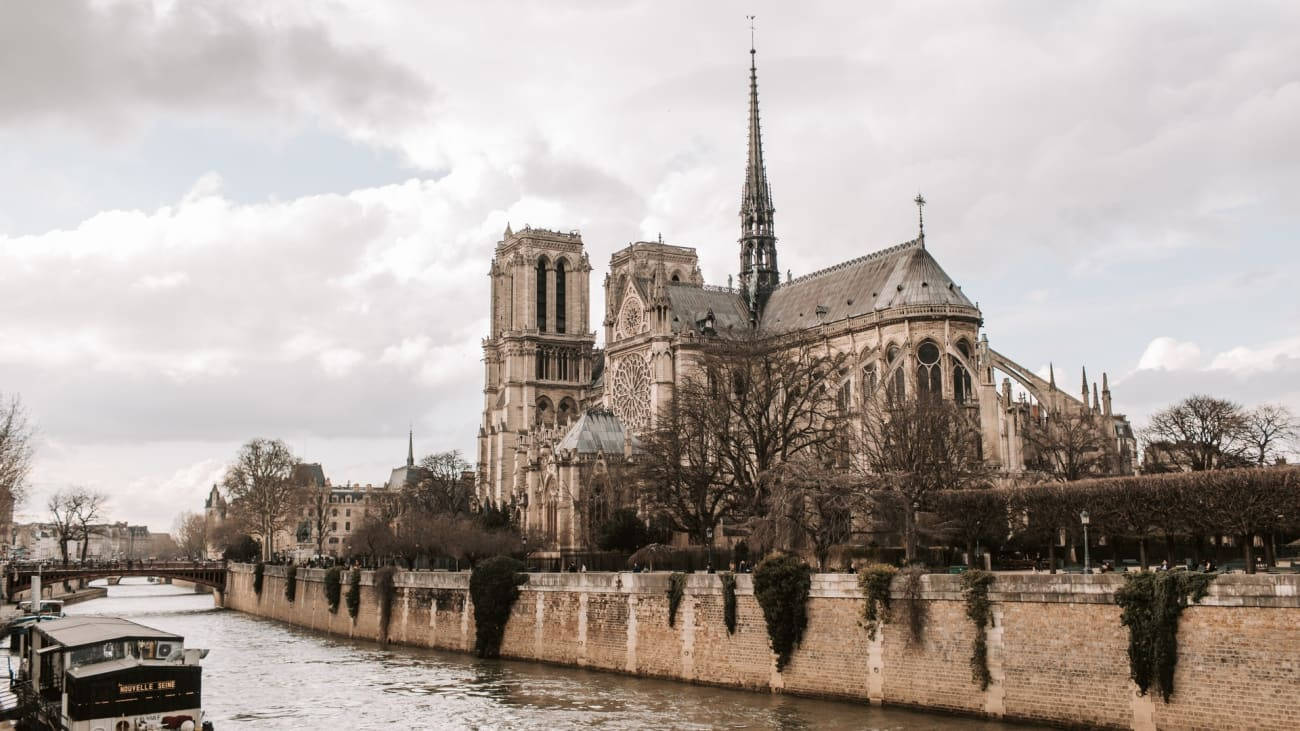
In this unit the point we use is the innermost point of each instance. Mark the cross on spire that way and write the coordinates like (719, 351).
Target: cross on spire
(919, 200)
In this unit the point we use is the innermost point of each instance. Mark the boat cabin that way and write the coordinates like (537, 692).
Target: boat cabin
(111, 674)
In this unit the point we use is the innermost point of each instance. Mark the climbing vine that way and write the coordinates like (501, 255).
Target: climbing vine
(676, 590)
(914, 607)
(874, 582)
(493, 588)
(354, 593)
(975, 589)
(291, 583)
(386, 590)
(729, 600)
(258, 571)
(1152, 603)
(333, 588)
(781, 586)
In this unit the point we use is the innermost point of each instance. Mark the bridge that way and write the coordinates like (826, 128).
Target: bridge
(18, 576)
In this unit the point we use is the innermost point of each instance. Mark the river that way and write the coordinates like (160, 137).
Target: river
(263, 674)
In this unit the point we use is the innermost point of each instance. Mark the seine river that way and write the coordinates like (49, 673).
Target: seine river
(266, 675)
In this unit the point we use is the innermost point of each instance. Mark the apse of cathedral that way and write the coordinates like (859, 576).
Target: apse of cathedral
(561, 417)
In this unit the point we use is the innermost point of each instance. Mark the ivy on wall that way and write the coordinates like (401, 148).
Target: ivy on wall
(781, 586)
(1152, 604)
(915, 609)
(676, 590)
(874, 581)
(493, 588)
(354, 593)
(291, 583)
(333, 588)
(729, 600)
(975, 590)
(259, 570)
(386, 590)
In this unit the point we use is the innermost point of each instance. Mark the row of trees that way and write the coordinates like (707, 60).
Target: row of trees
(1205, 433)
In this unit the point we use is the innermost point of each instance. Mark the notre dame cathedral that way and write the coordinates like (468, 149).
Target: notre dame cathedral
(560, 417)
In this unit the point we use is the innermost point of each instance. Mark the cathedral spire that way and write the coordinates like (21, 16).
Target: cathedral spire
(1051, 376)
(410, 448)
(1085, 387)
(759, 274)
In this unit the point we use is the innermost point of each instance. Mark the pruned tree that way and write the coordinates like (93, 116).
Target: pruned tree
(1068, 446)
(1269, 430)
(442, 488)
(374, 538)
(16, 451)
(261, 491)
(912, 448)
(317, 500)
(191, 535)
(970, 517)
(1199, 433)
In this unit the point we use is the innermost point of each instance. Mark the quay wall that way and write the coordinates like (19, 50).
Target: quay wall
(1057, 651)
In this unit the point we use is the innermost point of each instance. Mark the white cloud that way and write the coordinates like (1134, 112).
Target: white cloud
(1166, 353)
(1268, 357)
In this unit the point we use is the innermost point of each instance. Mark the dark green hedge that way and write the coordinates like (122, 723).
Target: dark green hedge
(493, 588)
(386, 591)
(333, 588)
(354, 593)
(259, 570)
(291, 583)
(781, 586)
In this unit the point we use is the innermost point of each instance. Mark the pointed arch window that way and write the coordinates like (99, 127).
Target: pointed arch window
(929, 376)
(541, 294)
(560, 301)
(868, 380)
(897, 381)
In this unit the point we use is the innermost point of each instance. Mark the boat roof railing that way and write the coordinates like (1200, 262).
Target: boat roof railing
(73, 632)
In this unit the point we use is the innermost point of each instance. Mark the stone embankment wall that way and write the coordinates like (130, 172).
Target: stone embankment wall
(1057, 651)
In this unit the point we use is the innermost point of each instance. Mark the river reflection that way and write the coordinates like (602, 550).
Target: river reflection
(265, 675)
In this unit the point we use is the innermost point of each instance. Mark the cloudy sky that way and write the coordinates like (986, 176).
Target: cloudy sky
(222, 220)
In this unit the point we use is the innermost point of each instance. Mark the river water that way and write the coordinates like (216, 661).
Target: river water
(265, 675)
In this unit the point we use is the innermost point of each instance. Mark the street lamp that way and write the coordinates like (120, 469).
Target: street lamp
(1083, 518)
(709, 535)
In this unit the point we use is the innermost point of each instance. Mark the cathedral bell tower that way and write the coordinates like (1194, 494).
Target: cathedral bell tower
(759, 273)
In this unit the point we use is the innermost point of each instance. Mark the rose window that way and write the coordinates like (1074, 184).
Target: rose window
(631, 318)
(632, 393)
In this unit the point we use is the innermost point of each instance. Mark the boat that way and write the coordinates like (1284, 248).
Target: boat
(107, 674)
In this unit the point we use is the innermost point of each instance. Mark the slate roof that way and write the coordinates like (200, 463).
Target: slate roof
(900, 276)
(309, 473)
(690, 304)
(595, 431)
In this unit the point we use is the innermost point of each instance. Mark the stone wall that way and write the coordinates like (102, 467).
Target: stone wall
(1057, 650)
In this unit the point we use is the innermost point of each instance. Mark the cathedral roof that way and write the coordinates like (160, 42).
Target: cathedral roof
(691, 304)
(595, 431)
(900, 276)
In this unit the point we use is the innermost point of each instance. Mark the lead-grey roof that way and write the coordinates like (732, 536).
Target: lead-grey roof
(900, 276)
(595, 431)
(74, 632)
(690, 303)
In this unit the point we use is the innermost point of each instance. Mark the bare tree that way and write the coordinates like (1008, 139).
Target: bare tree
(191, 535)
(64, 506)
(1068, 446)
(261, 490)
(442, 488)
(317, 500)
(1200, 433)
(1269, 429)
(88, 511)
(812, 504)
(912, 448)
(682, 467)
(16, 450)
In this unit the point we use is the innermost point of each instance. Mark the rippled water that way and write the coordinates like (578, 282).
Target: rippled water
(266, 675)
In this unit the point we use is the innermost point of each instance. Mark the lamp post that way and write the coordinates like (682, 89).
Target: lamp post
(709, 535)
(1083, 518)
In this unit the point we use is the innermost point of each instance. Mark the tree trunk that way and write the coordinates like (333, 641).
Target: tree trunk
(1051, 555)
(970, 553)
(909, 535)
(1142, 554)
(1270, 551)
(1169, 549)
(1248, 543)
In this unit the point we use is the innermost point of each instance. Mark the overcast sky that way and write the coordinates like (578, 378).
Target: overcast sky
(226, 220)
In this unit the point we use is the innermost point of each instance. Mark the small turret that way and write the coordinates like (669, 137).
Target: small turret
(1105, 394)
(1084, 398)
(1051, 376)
(1096, 404)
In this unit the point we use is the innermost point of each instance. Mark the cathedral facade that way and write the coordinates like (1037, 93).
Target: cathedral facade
(560, 417)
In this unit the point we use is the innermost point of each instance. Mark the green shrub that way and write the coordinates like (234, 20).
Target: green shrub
(386, 591)
(975, 589)
(916, 611)
(781, 586)
(874, 582)
(493, 588)
(354, 593)
(333, 588)
(729, 600)
(258, 571)
(676, 590)
(1152, 604)
(290, 582)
